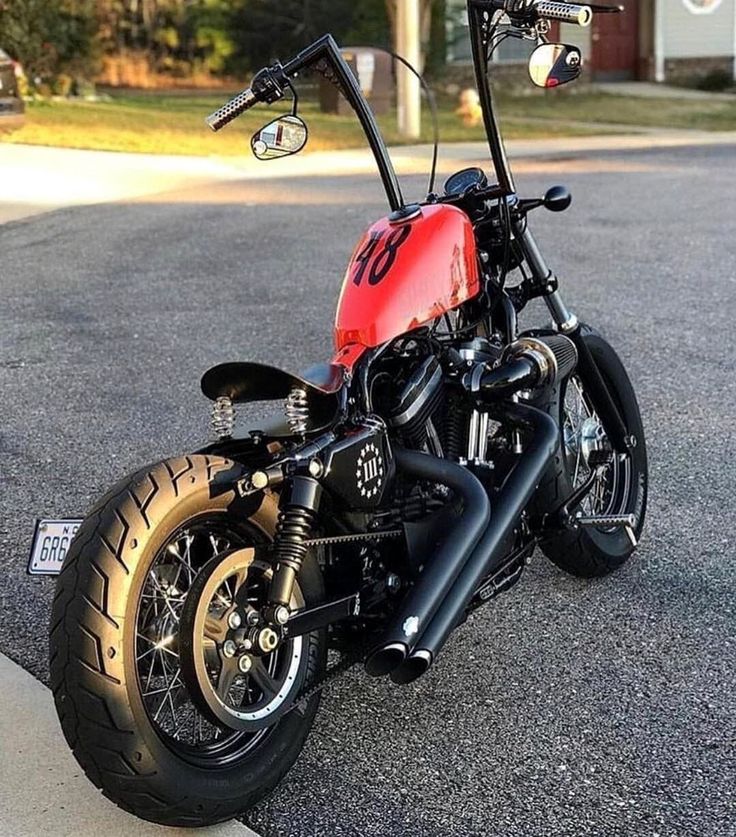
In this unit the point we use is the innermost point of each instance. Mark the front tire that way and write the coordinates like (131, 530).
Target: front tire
(154, 764)
(588, 552)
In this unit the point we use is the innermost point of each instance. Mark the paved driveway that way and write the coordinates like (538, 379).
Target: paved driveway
(564, 708)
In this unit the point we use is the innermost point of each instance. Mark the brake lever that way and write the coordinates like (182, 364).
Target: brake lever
(602, 10)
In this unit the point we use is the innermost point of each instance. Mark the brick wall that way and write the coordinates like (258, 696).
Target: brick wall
(511, 77)
(691, 69)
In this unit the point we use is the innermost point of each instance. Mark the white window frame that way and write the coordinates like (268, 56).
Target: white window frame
(464, 62)
(695, 9)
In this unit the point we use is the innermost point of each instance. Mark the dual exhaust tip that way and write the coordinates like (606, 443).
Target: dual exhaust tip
(395, 660)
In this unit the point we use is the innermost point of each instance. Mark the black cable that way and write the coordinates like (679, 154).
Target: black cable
(494, 41)
(433, 108)
(507, 243)
(501, 38)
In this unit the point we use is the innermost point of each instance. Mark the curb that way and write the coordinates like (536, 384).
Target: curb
(42, 788)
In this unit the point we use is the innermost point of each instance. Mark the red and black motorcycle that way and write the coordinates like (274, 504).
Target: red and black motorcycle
(407, 482)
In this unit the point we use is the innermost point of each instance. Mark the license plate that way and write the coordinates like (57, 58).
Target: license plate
(51, 542)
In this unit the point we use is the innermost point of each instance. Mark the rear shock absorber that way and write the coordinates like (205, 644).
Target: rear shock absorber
(292, 532)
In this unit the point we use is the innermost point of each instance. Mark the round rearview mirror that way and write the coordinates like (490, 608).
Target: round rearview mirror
(551, 65)
(284, 136)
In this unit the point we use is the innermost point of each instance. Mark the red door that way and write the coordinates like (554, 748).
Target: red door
(615, 53)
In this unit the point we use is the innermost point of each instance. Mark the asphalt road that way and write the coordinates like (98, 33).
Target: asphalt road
(565, 708)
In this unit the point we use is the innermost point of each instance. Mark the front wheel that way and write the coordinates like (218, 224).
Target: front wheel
(620, 489)
(121, 647)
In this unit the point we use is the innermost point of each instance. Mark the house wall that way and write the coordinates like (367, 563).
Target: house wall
(688, 35)
(578, 36)
(693, 44)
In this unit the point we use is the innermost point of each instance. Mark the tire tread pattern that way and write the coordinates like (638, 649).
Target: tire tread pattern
(85, 671)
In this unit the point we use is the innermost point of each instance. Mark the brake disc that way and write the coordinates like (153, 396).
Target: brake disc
(236, 668)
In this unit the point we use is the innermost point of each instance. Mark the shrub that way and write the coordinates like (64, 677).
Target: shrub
(715, 81)
(62, 85)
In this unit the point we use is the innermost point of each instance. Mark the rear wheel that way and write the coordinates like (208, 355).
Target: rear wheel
(620, 489)
(127, 702)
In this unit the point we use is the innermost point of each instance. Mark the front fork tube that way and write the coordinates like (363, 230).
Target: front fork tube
(568, 324)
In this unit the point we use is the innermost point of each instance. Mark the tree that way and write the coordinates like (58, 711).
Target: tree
(170, 35)
(269, 29)
(49, 36)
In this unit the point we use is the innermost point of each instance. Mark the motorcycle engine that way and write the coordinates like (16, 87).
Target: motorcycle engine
(418, 399)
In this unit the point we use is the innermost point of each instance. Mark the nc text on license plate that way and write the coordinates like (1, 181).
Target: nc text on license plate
(51, 542)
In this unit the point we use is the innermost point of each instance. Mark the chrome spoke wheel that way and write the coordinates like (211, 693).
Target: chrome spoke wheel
(583, 434)
(166, 697)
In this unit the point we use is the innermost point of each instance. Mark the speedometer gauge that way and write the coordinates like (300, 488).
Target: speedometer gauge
(461, 181)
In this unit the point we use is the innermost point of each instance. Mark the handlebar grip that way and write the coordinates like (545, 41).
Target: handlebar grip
(240, 104)
(566, 12)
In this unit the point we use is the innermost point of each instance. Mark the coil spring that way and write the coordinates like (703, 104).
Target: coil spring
(296, 409)
(292, 532)
(223, 417)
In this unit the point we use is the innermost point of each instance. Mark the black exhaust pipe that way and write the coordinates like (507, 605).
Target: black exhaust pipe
(420, 604)
(492, 548)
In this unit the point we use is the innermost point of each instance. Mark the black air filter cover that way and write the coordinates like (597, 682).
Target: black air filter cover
(418, 398)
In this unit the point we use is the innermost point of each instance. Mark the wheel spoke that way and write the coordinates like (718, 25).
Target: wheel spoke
(240, 577)
(167, 695)
(145, 653)
(577, 465)
(582, 430)
(174, 716)
(218, 544)
(263, 679)
(184, 560)
(215, 627)
(228, 673)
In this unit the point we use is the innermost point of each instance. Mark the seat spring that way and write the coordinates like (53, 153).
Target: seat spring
(296, 409)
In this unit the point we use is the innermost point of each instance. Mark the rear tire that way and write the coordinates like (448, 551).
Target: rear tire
(585, 552)
(95, 667)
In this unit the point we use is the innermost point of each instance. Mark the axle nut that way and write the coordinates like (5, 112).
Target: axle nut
(267, 640)
(281, 615)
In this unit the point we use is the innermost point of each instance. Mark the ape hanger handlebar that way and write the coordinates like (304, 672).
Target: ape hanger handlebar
(324, 56)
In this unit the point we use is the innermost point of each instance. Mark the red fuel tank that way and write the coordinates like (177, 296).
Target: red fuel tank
(405, 275)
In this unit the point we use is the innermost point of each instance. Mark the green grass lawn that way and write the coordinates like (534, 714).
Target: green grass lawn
(174, 123)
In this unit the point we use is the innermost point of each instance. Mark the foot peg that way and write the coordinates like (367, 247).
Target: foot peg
(626, 521)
